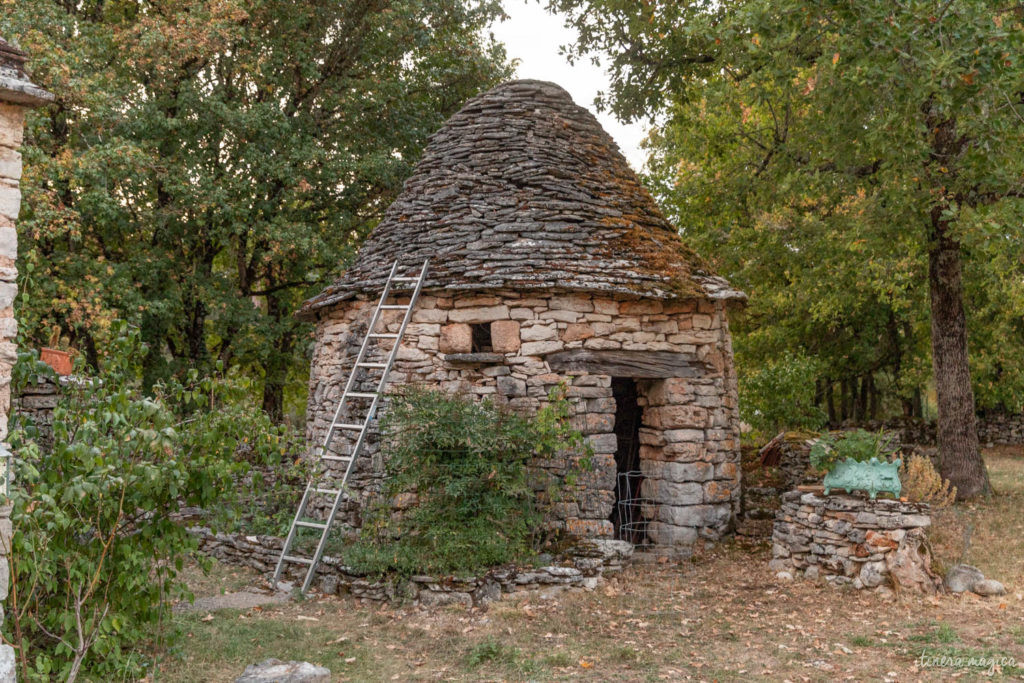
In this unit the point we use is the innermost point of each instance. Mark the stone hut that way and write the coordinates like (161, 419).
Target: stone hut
(550, 263)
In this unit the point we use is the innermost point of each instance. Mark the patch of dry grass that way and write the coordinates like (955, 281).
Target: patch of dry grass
(721, 616)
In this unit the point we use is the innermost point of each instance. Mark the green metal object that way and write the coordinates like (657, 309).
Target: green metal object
(873, 476)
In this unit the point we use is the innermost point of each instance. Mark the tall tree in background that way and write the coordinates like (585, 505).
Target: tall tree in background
(882, 134)
(209, 164)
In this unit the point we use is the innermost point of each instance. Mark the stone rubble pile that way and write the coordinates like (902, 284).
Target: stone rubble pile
(847, 539)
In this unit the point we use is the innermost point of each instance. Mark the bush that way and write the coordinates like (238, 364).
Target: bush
(96, 548)
(858, 445)
(922, 483)
(780, 395)
(462, 470)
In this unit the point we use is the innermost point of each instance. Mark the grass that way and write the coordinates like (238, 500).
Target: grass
(943, 633)
(723, 616)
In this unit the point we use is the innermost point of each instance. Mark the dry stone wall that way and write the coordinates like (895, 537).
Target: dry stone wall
(994, 429)
(690, 441)
(852, 540)
(583, 568)
(35, 404)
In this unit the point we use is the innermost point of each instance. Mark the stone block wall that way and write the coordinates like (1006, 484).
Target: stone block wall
(994, 429)
(17, 93)
(35, 403)
(847, 539)
(12, 118)
(690, 439)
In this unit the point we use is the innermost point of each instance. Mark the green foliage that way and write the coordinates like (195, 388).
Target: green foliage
(818, 150)
(96, 550)
(207, 166)
(858, 445)
(780, 394)
(458, 472)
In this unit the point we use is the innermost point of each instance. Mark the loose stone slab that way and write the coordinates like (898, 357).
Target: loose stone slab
(276, 671)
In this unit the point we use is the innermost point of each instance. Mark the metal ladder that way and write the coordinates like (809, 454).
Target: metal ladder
(324, 456)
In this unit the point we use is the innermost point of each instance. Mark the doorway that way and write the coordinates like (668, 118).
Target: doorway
(626, 515)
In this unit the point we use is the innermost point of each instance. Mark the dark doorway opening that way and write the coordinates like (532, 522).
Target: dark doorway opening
(626, 513)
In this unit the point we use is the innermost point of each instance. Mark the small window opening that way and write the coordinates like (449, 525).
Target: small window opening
(482, 338)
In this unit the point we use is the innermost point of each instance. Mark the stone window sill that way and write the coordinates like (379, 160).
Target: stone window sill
(475, 358)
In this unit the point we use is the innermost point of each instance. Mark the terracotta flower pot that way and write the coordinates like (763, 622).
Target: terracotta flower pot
(60, 361)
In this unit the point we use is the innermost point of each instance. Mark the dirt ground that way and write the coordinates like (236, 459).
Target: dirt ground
(720, 617)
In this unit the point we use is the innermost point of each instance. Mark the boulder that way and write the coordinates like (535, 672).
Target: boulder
(8, 665)
(988, 587)
(276, 671)
(961, 578)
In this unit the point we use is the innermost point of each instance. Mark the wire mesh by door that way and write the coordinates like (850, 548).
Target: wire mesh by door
(632, 524)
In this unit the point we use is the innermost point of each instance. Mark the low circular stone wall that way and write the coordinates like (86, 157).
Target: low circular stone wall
(848, 539)
(583, 567)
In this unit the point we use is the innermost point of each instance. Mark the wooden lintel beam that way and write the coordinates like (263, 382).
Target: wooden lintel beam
(636, 364)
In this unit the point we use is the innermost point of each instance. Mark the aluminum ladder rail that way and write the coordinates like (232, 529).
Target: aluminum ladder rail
(324, 456)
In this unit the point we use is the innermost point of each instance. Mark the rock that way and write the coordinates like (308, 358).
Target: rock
(430, 598)
(873, 574)
(329, 584)
(8, 665)
(962, 577)
(988, 587)
(885, 593)
(811, 572)
(488, 592)
(505, 336)
(456, 338)
(784, 576)
(276, 671)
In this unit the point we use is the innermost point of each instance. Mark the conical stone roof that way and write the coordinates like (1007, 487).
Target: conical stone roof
(523, 189)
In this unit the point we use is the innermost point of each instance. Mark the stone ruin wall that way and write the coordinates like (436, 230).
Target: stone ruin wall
(689, 438)
(846, 539)
(582, 568)
(994, 429)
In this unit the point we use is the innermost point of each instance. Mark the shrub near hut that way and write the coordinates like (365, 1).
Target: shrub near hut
(96, 546)
(458, 475)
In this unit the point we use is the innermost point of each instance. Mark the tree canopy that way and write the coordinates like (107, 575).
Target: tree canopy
(846, 162)
(207, 165)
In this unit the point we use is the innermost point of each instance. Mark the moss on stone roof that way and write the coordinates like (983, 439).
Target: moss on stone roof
(523, 189)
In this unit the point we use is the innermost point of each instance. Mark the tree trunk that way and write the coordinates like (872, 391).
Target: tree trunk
(959, 452)
(276, 364)
(862, 401)
(273, 400)
(844, 399)
(830, 401)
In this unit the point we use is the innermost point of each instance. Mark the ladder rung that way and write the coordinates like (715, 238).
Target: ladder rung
(343, 425)
(372, 365)
(395, 307)
(405, 279)
(335, 457)
(383, 335)
(333, 492)
(311, 525)
(298, 560)
(356, 394)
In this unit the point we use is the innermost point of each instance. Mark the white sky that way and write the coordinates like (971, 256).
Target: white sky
(533, 37)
